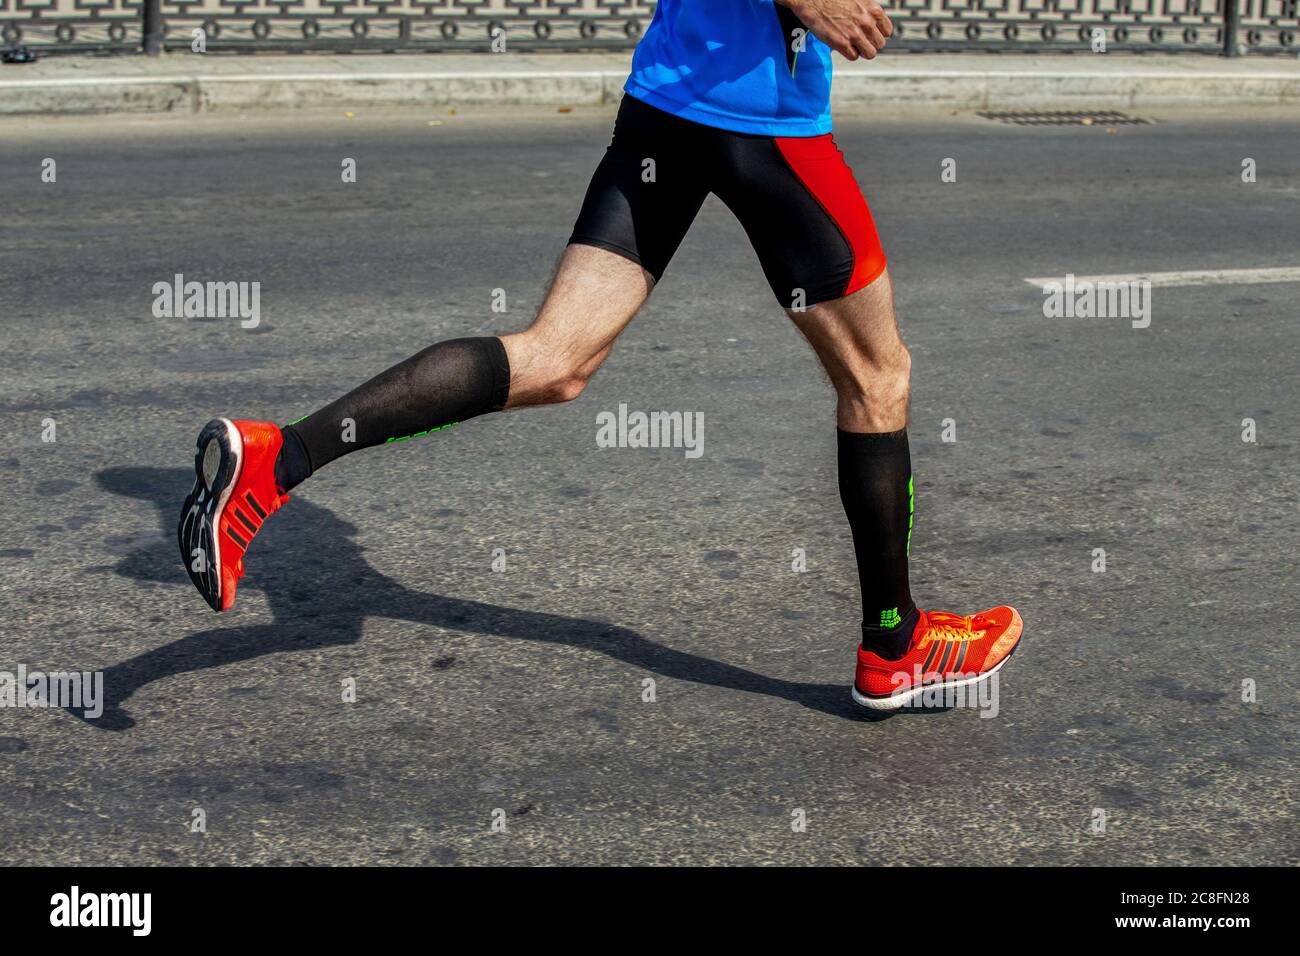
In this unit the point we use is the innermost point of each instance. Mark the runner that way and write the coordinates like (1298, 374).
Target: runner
(730, 97)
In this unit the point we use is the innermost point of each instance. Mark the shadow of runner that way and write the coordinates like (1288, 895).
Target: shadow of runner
(332, 589)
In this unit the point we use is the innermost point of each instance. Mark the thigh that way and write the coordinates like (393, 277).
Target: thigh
(647, 189)
(805, 215)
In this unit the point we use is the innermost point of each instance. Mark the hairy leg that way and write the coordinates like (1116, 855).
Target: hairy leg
(594, 295)
(857, 340)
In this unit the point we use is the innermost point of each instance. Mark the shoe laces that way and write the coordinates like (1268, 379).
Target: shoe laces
(943, 626)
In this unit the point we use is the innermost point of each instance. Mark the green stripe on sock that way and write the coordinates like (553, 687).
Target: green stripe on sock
(421, 434)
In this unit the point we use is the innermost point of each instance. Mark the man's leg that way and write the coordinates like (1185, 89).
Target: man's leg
(244, 469)
(904, 650)
(856, 338)
(626, 233)
(809, 223)
(592, 298)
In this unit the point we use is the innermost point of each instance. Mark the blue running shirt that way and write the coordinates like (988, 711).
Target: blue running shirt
(729, 64)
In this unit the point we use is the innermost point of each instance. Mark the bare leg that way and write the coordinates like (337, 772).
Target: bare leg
(593, 297)
(857, 340)
(858, 343)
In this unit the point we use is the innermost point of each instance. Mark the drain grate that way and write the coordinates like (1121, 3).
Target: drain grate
(1064, 118)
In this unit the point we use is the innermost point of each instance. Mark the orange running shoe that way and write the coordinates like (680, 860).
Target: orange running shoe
(234, 493)
(947, 651)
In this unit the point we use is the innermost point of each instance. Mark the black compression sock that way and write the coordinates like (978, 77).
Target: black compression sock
(445, 384)
(292, 465)
(875, 472)
(891, 643)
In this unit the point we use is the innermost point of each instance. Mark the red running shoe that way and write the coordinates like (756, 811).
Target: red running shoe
(947, 651)
(234, 493)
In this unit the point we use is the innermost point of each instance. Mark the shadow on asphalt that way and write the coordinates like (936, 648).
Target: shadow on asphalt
(322, 596)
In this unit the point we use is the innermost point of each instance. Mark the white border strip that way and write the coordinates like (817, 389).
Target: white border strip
(1202, 277)
(395, 76)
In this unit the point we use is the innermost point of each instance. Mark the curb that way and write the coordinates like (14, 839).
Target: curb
(979, 89)
(219, 94)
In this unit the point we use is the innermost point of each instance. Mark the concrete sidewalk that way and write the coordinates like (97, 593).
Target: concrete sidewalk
(184, 82)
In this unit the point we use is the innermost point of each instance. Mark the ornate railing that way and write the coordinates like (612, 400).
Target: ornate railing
(1211, 26)
(1208, 26)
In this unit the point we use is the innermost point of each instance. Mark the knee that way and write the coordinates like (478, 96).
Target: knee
(542, 373)
(874, 396)
(545, 372)
(564, 386)
(880, 382)
(900, 372)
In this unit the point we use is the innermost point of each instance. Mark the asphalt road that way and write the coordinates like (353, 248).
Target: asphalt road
(517, 695)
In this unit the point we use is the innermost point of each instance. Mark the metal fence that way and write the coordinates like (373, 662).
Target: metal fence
(1231, 27)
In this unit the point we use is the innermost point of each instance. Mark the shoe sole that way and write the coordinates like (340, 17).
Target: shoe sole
(898, 701)
(217, 463)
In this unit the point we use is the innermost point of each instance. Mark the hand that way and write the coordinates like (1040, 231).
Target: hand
(854, 28)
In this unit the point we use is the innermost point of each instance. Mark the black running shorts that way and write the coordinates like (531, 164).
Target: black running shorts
(795, 197)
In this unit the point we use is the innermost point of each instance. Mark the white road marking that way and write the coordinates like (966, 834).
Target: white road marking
(1203, 277)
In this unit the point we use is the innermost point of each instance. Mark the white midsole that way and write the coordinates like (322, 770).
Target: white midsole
(895, 701)
(237, 449)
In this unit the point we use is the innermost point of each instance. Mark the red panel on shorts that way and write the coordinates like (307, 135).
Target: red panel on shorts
(820, 166)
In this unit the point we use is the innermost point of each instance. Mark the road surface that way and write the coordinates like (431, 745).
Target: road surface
(502, 716)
